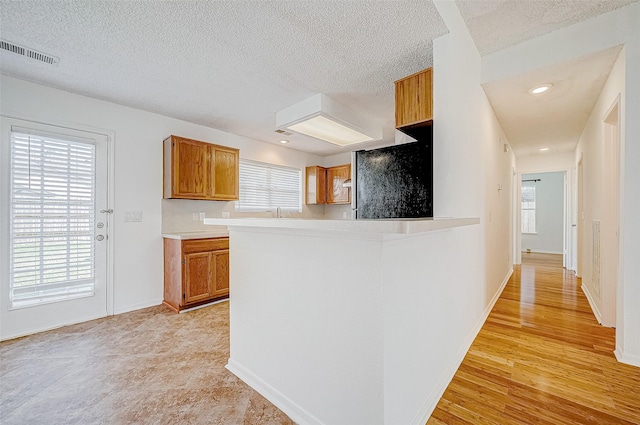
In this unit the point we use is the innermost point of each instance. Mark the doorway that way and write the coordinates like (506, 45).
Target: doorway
(55, 225)
(610, 220)
(543, 214)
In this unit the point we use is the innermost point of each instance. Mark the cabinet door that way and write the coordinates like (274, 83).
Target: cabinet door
(316, 185)
(198, 277)
(336, 176)
(191, 164)
(221, 273)
(414, 101)
(226, 173)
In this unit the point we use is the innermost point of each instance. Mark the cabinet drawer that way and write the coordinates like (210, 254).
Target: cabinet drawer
(203, 245)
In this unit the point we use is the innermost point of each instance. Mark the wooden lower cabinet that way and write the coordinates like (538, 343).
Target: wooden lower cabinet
(196, 271)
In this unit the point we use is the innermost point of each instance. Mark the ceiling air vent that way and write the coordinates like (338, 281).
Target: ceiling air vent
(30, 53)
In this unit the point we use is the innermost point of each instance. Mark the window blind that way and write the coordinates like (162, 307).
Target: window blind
(52, 219)
(528, 208)
(265, 187)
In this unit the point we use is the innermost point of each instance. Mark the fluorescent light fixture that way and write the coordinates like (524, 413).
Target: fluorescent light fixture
(540, 89)
(322, 118)
(324, 128)
(544, 149)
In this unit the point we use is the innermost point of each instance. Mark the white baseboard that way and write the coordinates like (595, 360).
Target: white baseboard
(445, 378)
(120, 310)
(630, 359)
(592, 303)
(291, 409)
(138, 306)
(48, 328)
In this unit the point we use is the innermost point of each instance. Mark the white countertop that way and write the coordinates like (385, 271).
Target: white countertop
(388, 226)
(196, 235)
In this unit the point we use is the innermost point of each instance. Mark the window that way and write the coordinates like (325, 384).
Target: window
(52, 219)
(265, 187)
(528, 208)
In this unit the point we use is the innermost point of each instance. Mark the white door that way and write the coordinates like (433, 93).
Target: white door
(55, 227)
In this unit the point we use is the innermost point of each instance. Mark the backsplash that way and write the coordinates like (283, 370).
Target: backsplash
(337, 212)
(177, 214)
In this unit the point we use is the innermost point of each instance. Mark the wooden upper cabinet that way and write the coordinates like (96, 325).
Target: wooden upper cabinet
(324, 185)
(414, 99)
(200, 170)
(226, 173)
(336, 176)
(190, 162)
(315, 185)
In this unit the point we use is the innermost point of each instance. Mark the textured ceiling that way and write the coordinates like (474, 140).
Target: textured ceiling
(497, 24)
(226, 64)
(232, 65)
(554, 119)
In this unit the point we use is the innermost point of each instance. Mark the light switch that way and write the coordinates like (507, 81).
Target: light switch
(133, 216)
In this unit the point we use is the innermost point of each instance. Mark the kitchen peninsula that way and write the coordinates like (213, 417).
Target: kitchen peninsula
(348, 322)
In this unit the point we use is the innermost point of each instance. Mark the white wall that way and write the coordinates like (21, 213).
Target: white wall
(370, 338)
(593, 152)
(306, 322)
(545, 162)
(607, 30)
(138, 273)
(549, 214)
(428, 326)
(470, 165)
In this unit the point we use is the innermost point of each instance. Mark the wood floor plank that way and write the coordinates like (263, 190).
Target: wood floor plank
(542, 358)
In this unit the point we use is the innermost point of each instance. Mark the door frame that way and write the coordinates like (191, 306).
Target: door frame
(567, 236)
(579, 215)
(109, 218)
(612, 120)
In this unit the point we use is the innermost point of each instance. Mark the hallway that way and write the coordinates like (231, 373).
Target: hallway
(541, 357)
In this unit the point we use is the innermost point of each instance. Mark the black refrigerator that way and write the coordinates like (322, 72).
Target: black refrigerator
(395, 182)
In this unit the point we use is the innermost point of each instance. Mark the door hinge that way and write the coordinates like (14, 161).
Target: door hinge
(184, 296)
(184, 261)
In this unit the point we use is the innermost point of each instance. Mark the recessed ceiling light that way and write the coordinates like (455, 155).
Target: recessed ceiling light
(544, 149)
(540, 89)
(284, 141)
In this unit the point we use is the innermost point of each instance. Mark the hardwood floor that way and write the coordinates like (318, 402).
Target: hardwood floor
(541, 358)
(149, 366)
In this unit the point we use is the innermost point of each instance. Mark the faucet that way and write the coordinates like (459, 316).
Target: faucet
(278, 212)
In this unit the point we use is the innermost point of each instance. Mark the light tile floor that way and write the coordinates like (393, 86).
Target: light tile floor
(150, 366)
